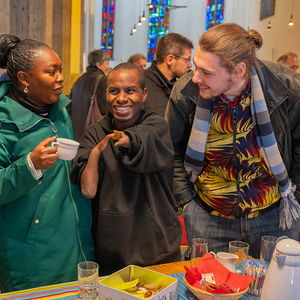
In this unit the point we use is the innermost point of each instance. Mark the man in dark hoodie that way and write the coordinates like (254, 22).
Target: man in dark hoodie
(129, 181)
(172, 60)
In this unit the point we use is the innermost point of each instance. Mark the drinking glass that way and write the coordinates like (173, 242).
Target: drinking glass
(241, 249)
(87, 280)
(199, 249)
(267, 248)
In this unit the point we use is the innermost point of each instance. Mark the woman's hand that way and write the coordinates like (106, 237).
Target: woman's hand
(44, 157)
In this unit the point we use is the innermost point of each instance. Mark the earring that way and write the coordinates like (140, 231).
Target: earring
(26, 89)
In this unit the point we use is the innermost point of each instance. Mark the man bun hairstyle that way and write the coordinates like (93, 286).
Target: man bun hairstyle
(232, 44)
(17, 55)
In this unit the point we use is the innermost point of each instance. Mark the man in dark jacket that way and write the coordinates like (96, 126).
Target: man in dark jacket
(83, 88)
(172, 60)
(237, 144)
(130, 180)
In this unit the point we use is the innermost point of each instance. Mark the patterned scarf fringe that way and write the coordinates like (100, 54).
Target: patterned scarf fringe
(289, 209)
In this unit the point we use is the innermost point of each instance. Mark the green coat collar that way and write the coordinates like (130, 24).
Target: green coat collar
(14, 113)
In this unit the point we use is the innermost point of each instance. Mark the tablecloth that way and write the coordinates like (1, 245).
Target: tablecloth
(69, 291)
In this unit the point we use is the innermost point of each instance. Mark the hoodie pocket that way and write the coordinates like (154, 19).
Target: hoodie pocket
(133, 237)
(36, 221)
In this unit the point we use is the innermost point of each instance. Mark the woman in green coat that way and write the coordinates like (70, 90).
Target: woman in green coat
(45, 222)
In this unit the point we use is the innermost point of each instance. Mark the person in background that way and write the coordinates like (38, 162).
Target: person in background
(45, 225)
(82, 90)
(235, 131)
(172, 60)
(290, 59)
(129, 181)
(139, 60)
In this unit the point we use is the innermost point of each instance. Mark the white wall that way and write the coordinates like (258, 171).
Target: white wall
(190, 22)
(126, 15)
(277, 40)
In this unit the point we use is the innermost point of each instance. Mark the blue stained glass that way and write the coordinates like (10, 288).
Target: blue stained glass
(214, 13)
(155, 31)
(104, 8)
(110, 30)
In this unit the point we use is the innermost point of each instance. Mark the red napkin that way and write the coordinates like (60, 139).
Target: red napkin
(209, 264)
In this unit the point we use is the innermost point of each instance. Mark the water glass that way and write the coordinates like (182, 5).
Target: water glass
(87, 280)
(199, 249)
(241, 249)
(267, 248)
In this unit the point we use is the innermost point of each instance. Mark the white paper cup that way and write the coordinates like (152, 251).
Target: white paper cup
(66, 149)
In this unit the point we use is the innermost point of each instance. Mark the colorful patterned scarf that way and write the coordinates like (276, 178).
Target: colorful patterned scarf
(289, 208)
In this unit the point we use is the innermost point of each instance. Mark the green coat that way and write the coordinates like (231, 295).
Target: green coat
(45, 225)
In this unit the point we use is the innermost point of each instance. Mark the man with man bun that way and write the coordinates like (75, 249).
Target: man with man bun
(235, 131)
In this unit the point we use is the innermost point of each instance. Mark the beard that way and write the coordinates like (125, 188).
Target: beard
(208, 96)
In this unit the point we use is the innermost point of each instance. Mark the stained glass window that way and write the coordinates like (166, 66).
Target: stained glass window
(214, 13)
(108, 26)
(158, 24)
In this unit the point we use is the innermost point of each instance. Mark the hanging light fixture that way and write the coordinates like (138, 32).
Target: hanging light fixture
(134, 28)
(269, 25)
(139, 22)
(131, 32)
(144, 17)
(291, 22)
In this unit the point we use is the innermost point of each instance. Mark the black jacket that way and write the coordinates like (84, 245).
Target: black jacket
(159, 89)
(81, 95)
(134, 213)
(281, 87)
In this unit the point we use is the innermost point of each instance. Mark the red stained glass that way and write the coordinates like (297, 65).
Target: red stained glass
(108, 24)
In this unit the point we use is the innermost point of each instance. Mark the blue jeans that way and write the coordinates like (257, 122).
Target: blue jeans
(220, 231)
